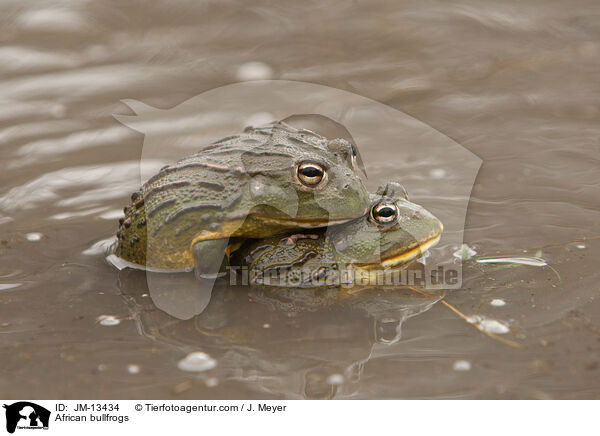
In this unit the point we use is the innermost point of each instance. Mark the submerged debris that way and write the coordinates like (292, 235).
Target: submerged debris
(464, 253)
(7, 286)
(531, 261)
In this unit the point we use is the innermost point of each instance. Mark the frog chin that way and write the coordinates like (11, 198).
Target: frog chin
(402, 258)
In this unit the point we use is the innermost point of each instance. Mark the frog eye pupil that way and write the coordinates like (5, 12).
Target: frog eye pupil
(310, 173)
(385, 213)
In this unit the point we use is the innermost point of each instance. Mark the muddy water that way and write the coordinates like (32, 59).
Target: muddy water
(516, 84)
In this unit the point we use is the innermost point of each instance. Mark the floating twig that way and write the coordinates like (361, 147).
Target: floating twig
(476, 325)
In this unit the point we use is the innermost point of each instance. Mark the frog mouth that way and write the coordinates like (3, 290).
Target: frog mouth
(411, 254)
(308, 224)
(405, 256)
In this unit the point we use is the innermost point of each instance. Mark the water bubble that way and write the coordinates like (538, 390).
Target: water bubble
(108, 320)
(437, 173)
(461, 365)
(497, 302)
(133, 369)
(196, 362)
(34, 237)
(580, 246)
(101, 367)
(211, 382)
(254, 71)
(335, 379)
(266, 325)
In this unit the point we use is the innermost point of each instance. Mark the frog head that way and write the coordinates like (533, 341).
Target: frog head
(329, 183)
(319, 177)
(394, 232)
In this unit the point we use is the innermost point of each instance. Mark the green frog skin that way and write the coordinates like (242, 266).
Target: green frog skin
(264, 181)
(393, 233)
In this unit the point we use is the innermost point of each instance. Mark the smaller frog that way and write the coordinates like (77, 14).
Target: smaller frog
(393, 233)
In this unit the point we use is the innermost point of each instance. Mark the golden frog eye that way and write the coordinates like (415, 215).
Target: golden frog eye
(310, 174)
(385, 213)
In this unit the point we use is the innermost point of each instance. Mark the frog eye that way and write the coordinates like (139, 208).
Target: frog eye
(385, 213)
(310, 173)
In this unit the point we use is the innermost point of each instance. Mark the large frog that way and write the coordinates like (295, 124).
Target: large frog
(262, 182)
(394, 232)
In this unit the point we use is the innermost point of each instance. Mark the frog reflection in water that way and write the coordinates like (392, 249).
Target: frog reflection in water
(292, 343)
(393, 233)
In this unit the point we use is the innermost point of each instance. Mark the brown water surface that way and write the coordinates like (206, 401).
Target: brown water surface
(515, 83)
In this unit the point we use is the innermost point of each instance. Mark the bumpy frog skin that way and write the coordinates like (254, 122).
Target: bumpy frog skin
(394, 232)
(263, 182)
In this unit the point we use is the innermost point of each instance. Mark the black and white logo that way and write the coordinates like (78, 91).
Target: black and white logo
(26, 415)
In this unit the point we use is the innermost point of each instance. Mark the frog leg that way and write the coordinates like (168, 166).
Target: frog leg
(209, 257)
(179, 295)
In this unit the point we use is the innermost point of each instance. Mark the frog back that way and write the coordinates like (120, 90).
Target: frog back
(209, 195)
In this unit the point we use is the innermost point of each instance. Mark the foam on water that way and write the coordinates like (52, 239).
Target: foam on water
(461, 365)
(108, 320)
(197, 361)
(100, 247)
(34, 237)
(335, 379)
